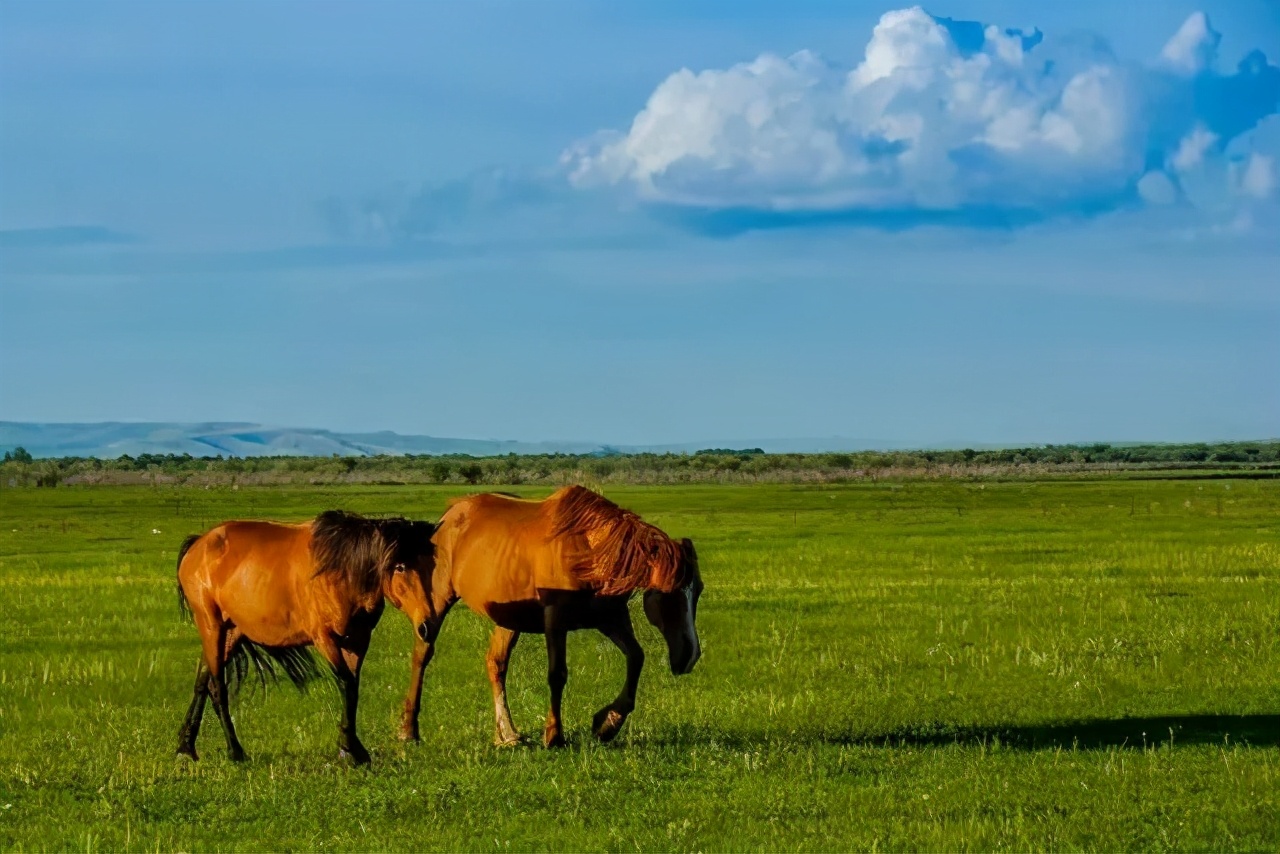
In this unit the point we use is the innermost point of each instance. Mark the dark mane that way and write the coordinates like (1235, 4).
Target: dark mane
(624, 552)
(364, 552)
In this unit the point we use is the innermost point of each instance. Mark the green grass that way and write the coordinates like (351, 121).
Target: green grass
(922, 665)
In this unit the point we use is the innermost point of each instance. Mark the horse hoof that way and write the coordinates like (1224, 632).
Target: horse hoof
(607, 723)
(509, 741)
(236, 755)
(188, 752)
(409, 735)
(555, 739)
(356, 757)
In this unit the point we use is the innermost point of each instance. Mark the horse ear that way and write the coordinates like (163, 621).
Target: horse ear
(686, 545)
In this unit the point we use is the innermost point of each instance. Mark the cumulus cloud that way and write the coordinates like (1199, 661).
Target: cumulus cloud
(1192, 149)
(1193, 48)
(940, 119)
(1257, 177)
(1157, 188)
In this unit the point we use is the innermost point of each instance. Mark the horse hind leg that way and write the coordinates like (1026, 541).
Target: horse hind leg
(217, 643)
(608, 721)
(191, 725)
(501, 643)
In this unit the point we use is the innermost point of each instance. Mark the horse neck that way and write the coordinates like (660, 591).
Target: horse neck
(362, 600)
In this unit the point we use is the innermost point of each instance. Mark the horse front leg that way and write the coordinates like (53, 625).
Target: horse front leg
(500, 645)
(346, 662)
(557, 672)
(191, 725)
(424, 648)
(349, 743)
(423, 651)
(609, 720)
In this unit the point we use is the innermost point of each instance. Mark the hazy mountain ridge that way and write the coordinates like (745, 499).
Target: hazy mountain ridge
(109, 440)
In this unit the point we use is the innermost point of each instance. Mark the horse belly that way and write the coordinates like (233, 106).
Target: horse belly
(579, 609)
(524, 615)
(503, 594)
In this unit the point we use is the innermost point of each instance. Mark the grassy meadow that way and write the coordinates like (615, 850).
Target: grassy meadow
(942, 665)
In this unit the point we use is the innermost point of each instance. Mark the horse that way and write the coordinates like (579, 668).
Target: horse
(571, 561)
(260, 593)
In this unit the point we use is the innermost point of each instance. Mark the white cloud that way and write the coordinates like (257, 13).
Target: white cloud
(908, 43)
(942, 116)
(1157, 189)
(1258, 177)
(1193, 48)
(760, 120)
(1192, 149)
(1253, 173)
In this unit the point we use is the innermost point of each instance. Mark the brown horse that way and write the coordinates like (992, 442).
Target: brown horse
(569, 562)
(261, 592)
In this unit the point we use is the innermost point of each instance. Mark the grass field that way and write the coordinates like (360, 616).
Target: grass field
(922, 665)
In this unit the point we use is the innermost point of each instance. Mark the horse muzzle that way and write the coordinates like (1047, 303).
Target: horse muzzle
(684, 664)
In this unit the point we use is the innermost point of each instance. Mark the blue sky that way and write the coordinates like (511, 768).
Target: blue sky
(645, 222)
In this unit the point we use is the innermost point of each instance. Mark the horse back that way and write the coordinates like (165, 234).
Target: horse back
(262, 547)
(498, 549)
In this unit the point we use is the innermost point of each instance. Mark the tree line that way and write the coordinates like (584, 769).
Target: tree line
(20, 469)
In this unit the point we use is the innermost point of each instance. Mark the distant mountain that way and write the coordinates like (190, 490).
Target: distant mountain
(108, 440)
(112, 439)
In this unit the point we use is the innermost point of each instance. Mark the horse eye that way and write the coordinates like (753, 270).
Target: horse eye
(399, 567)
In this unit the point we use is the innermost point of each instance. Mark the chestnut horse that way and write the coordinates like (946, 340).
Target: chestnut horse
(568, 562)
(261, 592)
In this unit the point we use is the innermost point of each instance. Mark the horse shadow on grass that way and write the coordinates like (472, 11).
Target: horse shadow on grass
(1084, 734)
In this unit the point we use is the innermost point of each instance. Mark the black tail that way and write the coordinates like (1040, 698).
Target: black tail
(183, 605)
(268, 662)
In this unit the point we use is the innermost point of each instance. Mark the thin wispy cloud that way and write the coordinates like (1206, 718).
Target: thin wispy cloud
(63, 237)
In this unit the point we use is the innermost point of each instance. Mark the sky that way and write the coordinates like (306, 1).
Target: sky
(644, 221)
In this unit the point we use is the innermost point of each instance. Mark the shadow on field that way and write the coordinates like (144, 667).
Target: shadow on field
(1091, 734)
(1097, 733)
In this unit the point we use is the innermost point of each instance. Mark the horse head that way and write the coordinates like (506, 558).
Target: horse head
(675, 613)
(411, 562)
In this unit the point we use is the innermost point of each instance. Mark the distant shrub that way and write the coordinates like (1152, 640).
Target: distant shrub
(48, 473)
